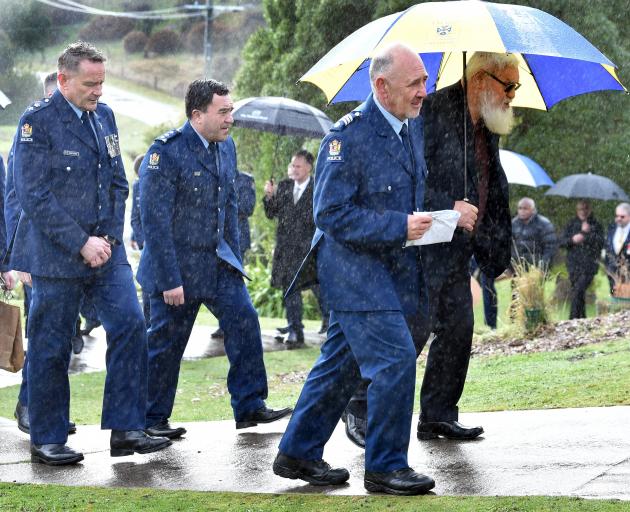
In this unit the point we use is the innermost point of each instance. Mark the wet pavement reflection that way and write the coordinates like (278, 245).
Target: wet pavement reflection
(552, 452)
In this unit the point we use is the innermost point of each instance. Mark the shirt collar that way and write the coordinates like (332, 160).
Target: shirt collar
(203, 140)
(393, 121)
(76, 109)
(303, 185)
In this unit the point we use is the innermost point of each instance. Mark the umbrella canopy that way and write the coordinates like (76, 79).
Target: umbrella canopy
(587, 186)
(555, 61)
(4, 100)
(522, 170)
(282, 116)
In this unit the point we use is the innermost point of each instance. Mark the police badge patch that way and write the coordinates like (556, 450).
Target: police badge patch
(113, 147)
(334, 151)
(26, 133)
(154, 161)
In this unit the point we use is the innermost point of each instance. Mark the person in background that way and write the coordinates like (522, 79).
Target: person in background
(291, 203)
(534, 239)
(583, 238)
(137, 234)
(618, 247)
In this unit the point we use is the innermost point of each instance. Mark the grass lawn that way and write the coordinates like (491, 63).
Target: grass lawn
(26, 498)
(580, 377)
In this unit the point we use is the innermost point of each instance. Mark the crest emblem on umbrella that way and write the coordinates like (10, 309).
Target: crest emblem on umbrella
(444, 30)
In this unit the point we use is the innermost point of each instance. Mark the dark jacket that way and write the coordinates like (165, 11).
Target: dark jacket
(137, 234)
(294, 232)
(613, 260)
(534, 241)
(3, 235)
(583, 257)
(189, 214)
(69, 189)
(444, 153)
(246, 201)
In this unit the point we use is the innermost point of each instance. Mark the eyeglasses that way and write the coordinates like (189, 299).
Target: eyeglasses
(508, 87)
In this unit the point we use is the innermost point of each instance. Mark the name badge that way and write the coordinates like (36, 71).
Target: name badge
(67, 152)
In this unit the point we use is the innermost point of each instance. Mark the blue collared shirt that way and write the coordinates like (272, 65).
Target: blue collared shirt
(204, 141)
(394, 122)
(79, 113)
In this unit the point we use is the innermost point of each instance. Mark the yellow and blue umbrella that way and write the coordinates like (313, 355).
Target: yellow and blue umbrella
(556, 62)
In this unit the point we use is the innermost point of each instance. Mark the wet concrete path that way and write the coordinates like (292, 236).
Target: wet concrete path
(568, 452)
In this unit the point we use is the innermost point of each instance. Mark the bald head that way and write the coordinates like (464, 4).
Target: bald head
(398, 80)
(526, 209)
(622, 214)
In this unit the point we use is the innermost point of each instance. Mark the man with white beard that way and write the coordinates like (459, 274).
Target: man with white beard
(473, 183)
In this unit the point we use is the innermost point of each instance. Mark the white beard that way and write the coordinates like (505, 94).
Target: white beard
(496, 119)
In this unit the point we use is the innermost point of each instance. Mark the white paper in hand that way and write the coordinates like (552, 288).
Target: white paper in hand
(441, 230)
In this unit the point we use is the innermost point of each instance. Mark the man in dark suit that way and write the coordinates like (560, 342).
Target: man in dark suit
(291, 202)
(370, 180)
(618, 247)
(484, 230)
(71, 186)
(191, 257)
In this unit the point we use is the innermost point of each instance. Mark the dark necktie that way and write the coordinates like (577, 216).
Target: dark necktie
(404, 135)
(87, 126)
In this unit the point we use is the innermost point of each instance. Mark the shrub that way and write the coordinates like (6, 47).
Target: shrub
(135, 41)
(194, 39)
(163, 42)
(106, 28)
(22, 90)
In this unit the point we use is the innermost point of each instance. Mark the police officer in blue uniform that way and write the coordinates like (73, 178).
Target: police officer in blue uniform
(7, 275)
(369, 181)
(191, 257)
(70, 183)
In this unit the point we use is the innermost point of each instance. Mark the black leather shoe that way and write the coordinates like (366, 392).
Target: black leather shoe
(316, 472)
(402, 482)
(89, 326)
(295, 338)
(448, 429)
(164, 429)
(21, 415)
(323, 329)
(355, 429)
(77, 344)
(125, 442)
(263, 415)
(218, 334)
(283, 330)
(54, 454)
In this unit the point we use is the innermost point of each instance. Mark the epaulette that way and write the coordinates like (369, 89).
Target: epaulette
(38, 105)
(345, 121)
(171, 134)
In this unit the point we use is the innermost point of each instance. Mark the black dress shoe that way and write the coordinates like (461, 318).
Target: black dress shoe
(263, 415)
(283, 330)
(21, 415)
(77, 344)
(164, 429)
(355, 429)
(89, 326)
(316, 472)
(295, 338)
(402, 482)
(448, 429)
(54, 454)
(323, 329)
(125, 442)
(218, 334)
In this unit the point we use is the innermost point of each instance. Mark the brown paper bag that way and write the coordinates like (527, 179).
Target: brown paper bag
(11, 348)
(622, 291)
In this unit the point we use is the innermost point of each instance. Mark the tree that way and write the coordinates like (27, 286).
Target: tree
(28, 26)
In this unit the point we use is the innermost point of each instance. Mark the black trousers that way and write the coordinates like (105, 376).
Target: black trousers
(580, 281)
(293, 306)
(450, 318)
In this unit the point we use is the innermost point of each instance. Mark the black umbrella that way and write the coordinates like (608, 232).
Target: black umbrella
(282, 116)
(588, 186)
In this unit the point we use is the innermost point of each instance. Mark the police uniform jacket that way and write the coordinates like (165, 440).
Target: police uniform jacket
(69, 188)
(294, 233)
(444, 152)
(246, 201)
(3, 234)
(365, 186)
(189, 213)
